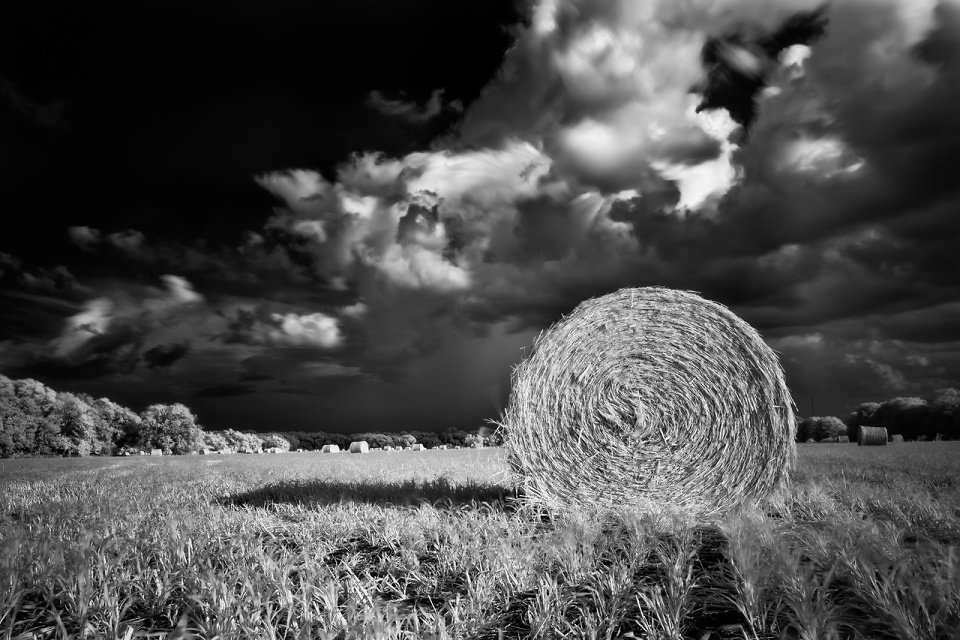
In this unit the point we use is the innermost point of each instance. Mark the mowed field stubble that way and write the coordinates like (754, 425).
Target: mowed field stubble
(862, 543)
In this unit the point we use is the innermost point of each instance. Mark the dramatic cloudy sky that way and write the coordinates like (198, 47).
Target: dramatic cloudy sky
(354, 215)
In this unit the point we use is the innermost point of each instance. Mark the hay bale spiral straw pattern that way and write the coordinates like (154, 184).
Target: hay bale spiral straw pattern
(360, 446)
(872, 437)
(649, 398)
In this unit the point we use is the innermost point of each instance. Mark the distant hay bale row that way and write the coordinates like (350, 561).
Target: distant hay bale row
(649, 398)
(872, 437)
(359, 447)
(330, 448)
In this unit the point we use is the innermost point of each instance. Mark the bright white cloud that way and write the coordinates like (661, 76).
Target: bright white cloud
(310, 330)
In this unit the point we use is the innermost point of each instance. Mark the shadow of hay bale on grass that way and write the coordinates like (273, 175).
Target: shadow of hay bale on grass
(652, 397)
(439, 492)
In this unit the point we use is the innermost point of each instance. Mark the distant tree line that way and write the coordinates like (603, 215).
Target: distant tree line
(311, 440)
(38, 421)
(932, 418)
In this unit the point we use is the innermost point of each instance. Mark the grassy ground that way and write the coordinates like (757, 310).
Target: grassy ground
(865, 543)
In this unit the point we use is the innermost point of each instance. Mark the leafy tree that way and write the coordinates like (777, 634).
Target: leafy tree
(375, 439)
(408, 440)
(77, 423)
(945, 412)
(292, 439)
(214, 440)
(18, 430)
(117, 426)
(170, 427)
(829, 427)
(906, 416)
(37, 398)
(427, 438)
(453, 437)
(237, 440)
(275, 440)
(865, 414)
(311, 440)
(473, 439)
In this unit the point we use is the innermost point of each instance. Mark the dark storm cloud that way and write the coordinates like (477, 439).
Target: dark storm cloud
(109, 333)
(47, 115)
(163, 356)
(226, 391)
(255, 377)
(16, 274)
(261, 263)
(297, 391)
(609, 152)
(738, 63)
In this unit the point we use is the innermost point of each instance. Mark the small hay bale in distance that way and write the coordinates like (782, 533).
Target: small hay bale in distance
(843, 439)
(896, 438)
(330, 448)
(649, 398)
(156, 452)
(360, 447)
(416, 447)
(872, 437)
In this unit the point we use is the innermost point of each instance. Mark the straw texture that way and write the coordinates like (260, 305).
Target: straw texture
(649, 398)
(872, 436)
(361, 446)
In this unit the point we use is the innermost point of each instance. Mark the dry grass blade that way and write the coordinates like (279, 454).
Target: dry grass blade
(652, 398)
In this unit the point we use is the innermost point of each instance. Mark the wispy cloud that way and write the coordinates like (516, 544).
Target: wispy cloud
(412, 111)
(47, 115)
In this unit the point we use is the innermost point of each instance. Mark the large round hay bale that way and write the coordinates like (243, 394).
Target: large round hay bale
(330, 448)
(359, 447)
(649, 398)
(872, 436)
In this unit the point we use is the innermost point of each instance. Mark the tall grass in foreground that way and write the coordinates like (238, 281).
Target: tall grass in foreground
(427, 545)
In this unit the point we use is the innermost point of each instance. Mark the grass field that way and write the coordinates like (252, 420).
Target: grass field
(865, 543)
